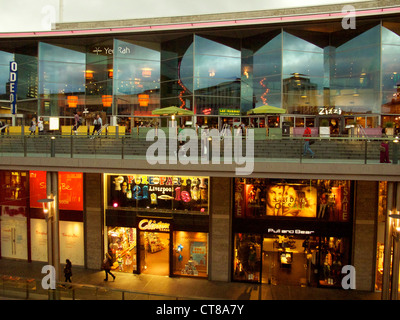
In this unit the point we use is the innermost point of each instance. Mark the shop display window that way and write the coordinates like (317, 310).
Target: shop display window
(160, 193)
(247, 257)
(190, 255)
(122, 244)
(327, 200)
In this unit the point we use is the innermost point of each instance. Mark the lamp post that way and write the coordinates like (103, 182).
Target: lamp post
(395, 150)
(395, 222)
(48, 215)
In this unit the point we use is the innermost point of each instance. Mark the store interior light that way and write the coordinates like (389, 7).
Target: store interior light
(115, 204)
(396, 220)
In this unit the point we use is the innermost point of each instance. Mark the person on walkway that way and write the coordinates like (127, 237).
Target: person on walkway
(77, 123)
(40, 125)
(107, 263)
(68, 271)
(384, 152)
(98, 123)
(306, 148)
(32, 127)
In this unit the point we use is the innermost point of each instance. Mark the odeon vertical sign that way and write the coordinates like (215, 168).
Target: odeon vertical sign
(13, 86)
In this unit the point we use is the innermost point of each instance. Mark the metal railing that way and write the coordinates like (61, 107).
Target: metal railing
(12, 287)
(344, 149)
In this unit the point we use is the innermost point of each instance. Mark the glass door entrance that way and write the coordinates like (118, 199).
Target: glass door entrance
(285, 261)
(154, 253)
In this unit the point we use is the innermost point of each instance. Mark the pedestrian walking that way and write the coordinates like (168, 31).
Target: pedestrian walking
(107, 263)
(40, 125)
(32, 127)
(306, 147)
(68, 271)
(77, 122)
(98, 123)
(384, 152)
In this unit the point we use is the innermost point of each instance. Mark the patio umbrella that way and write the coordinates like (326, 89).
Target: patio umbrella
(169, 111)
(266, 109)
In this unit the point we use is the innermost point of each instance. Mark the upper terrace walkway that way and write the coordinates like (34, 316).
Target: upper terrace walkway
(269, 154)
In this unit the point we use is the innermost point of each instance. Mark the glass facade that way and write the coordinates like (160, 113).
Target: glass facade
(311, 70)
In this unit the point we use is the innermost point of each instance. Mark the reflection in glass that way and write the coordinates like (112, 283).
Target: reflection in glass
(61, 73)
(136, 75)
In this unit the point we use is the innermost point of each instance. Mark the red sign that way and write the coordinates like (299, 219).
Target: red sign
(70, 189)
(37, 188)
(70, 186)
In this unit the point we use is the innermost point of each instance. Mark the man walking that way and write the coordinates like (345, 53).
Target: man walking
(306, 148)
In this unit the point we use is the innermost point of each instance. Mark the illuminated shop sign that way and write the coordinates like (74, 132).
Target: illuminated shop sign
(13, 86)
(290, 231)
(329, 111)
(229, 112)
(110, 51)
(152, 225)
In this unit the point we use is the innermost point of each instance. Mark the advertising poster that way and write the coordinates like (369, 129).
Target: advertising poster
(37, 188)
(71, 242)
(14, 242)
(295, 200)
(38, 240)
(70, 186)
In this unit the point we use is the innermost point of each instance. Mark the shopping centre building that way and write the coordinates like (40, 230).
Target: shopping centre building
(285, 223)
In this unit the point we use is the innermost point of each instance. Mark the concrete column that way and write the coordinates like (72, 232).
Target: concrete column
(364, 252)
(220, 229)
(93, 218)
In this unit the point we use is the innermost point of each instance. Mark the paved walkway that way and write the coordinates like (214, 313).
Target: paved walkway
(188, 288)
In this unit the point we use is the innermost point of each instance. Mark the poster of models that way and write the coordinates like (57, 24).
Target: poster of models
(295, 200)
(328, 200)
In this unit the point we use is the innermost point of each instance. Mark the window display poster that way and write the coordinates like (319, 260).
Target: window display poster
(71, 242)
(159, 192)
(13, 188)
(14, 242)
(198, 252)
(39, 240)
(296, 200)
(70, 185)
(37, 188)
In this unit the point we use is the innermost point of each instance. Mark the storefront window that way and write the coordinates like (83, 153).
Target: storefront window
(122, 244)
(13, 220)
(380, 245)
(190, 256)
(247, 257)
(327, 200)
(161, 193)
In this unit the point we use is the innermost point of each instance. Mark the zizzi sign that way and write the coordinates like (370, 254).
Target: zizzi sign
(290, 231)
(152, 225)
(13, 86)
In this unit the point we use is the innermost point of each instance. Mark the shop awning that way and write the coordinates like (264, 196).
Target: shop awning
(169, 111)
(266, 109)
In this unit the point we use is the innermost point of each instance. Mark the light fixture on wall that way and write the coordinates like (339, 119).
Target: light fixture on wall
(72, 101)
(89, 74)
(107, 100)
(143, 100)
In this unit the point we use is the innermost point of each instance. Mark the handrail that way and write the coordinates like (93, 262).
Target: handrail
(126, 146)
